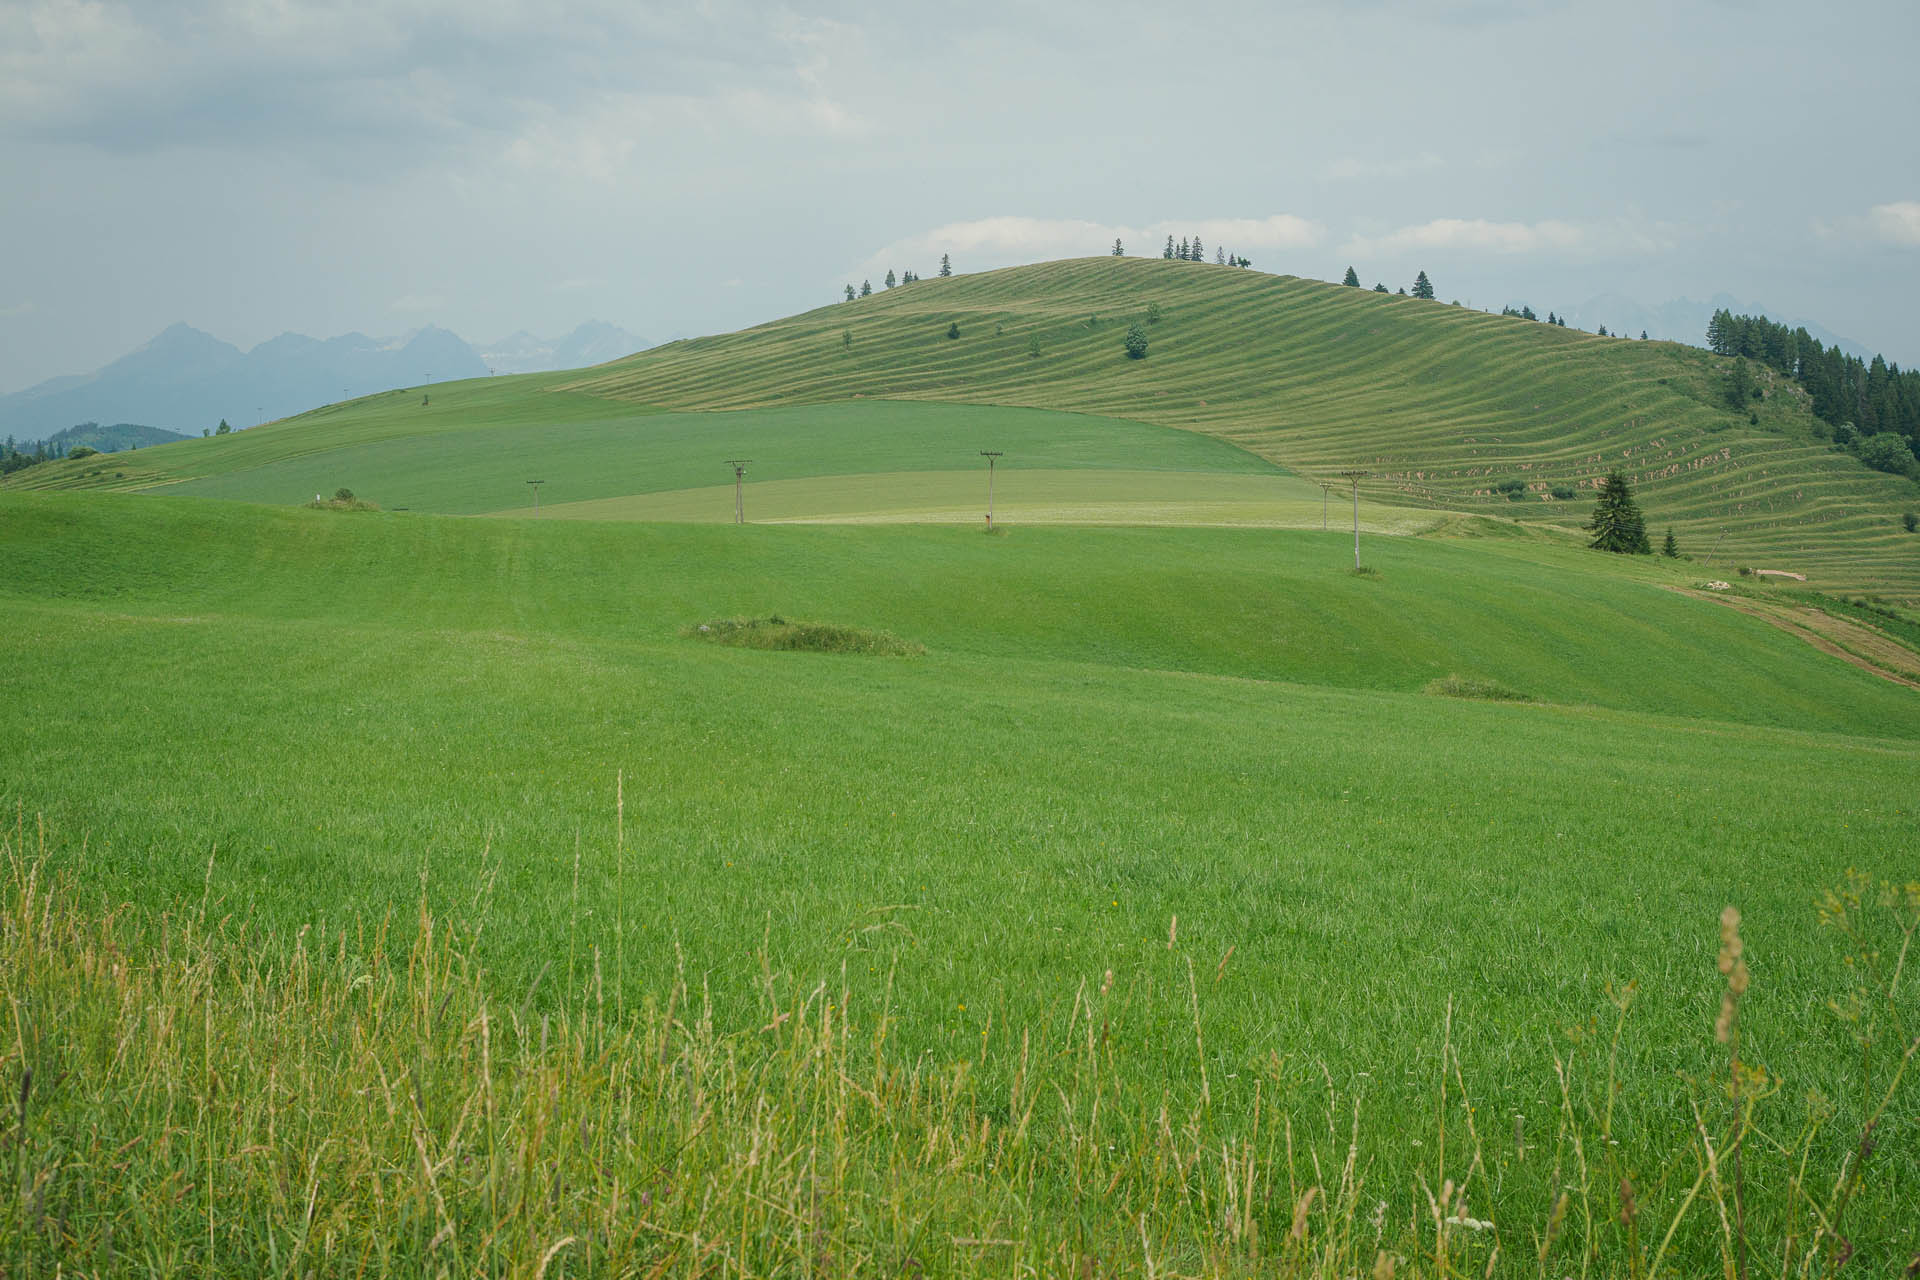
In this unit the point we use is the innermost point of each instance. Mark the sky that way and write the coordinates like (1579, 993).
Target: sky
(253, 167)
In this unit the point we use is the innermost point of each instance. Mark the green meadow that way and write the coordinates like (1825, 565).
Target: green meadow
(1192, 771)
(1132, 888)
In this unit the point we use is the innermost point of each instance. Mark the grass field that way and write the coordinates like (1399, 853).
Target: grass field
(1174, 794)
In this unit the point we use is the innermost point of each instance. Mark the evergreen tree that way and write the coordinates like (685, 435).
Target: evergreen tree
(1422, 287)
(866, 288)
(890, 279)
(946, 265)
(1604, 333)
(1552, 318)
(1617, 524)
(1219, 256)
(1118, 252)
(1185, 253)
(1353, 280)
(223, 428)
(1401, 292)
(1199, 254)
(1643, 335)
(1378, 287)
(953, 329)
(1169, 252)
(1526, 312)
(849, 293)
(1739, 388)
(1136, 341)
(1670, 549)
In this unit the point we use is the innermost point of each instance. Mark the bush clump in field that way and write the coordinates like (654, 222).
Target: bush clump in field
(787, 635)
(342, 500)
(1459, 686)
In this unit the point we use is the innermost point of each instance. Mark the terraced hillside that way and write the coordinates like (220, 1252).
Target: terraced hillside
(1442, 402)
(1447, 407)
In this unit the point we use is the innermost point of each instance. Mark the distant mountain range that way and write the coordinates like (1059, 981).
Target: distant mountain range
(188, 381)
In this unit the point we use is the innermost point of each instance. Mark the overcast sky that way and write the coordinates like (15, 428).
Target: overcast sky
(257, 166)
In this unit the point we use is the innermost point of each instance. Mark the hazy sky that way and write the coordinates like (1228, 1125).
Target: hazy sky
(255, 166)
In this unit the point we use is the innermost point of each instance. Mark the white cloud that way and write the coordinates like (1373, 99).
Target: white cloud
(1552, 238)
(1473, 234)
(1897, 223)
(1005, 241)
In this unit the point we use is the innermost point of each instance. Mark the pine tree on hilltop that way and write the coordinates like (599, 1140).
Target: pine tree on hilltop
(866, 288)
(1422, 287)
(946, 265)
(890, 280)
(1219, 256)
(849, 293)
(1353, 280)
(1378, 287)
(1118, 252)
(1185, 253)
(1617, 524)
(1199, 254)
(1169, 252)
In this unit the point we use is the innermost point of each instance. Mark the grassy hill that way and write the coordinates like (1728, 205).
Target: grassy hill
(1444, 404)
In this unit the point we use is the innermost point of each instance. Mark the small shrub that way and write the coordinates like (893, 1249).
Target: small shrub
(787, 635)
(953, 329)
(83, 451)
(1033, 346)
(1136, 342)
(343, 494)
(1910, 521)
(1746, 571)
(1153, 313)
(1459, 686)
(1563, 492)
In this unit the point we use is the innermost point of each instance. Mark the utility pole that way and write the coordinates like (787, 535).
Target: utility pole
(990, 455)
(739, 466)
(535, 486)
(1356, 477)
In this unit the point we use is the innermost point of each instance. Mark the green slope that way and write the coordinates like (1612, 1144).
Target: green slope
(1560, 625)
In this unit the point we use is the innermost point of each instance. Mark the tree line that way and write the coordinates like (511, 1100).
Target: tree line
(892, 281)
(1856, 398)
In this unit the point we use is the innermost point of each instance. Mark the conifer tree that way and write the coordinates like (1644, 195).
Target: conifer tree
(953, 329)
(946, 265)
(890, 279)
(849, 293)
(866, 288)
(1552, 318)
(1422, 287)
(1353, 280)
(1643, 335)
(1169, 252)
(1199, 254)
(1185, 252)
(1118, 252)
(1136, 341)
(1617, 524)
(1378, 287)
(1670, 549)
(1219, 256)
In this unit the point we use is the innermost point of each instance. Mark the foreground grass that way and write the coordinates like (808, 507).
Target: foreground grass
(193, 1095)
